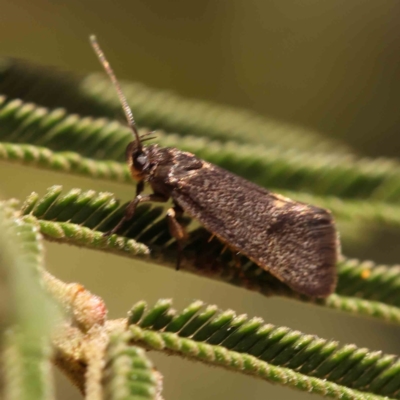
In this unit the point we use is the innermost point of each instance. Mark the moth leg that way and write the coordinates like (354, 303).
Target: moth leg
(235, 255)
(177, 230)
(224, 249)
(236, 259)
(131, 207)
(211, 238)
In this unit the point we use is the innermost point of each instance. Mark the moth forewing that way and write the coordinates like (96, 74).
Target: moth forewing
(296, 242)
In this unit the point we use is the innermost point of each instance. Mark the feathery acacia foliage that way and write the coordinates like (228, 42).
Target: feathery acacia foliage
(53, 121)
(239, 343)
(27, 314)
(93, 95)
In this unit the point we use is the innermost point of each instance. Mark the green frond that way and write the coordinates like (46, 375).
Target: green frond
(81, 208)
(367, 308)
(59, 131)
(30, 315)
(129, 373)
(147, 237)
(27, 368)
(341, 175)
(276, 354)
(22, 262)
(69, 162)
(95, 356)
(162, 109)
(66, 162)
(47, 86)
(85, 237)
(369, 280)
(156, 109)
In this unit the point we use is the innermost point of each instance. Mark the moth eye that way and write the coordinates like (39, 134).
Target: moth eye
(140, 161)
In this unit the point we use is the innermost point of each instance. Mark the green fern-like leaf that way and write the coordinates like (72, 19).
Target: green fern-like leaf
(30, 314)
(129, 372)
(148, 238)
(265, 351)
(340, 175)
(157, 109)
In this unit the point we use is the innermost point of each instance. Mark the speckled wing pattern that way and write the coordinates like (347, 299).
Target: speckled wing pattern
(296, 242)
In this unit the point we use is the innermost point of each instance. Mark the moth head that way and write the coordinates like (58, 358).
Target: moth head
(136, 154)
(138, 160)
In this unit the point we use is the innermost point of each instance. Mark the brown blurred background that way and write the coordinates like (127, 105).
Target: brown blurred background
(331, 66)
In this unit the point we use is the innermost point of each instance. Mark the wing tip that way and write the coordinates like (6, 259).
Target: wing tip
(323, 281)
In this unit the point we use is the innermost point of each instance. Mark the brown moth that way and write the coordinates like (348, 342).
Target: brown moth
(295, 242)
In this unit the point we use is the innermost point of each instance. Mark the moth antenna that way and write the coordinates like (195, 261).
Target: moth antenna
(149, 138)
(125, 106)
